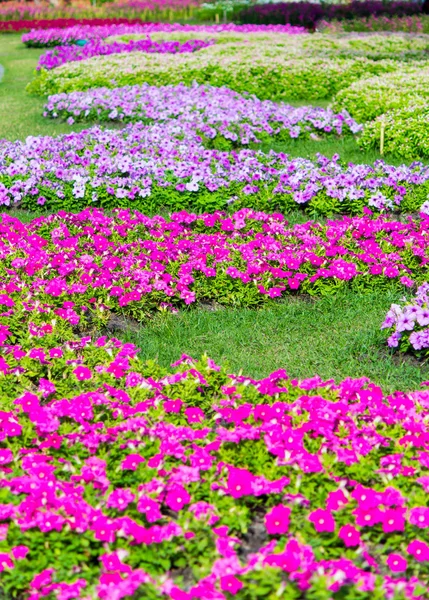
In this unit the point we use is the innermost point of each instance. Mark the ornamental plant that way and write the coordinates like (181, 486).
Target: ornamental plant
(122, 479)
(309, 13)
(219, 116)
(269, 71)
(369, 98)
(27, 14)
(406, 131)
(83, 268)
(408, 323)
(150, 167)
(166, 166)
(65, 54)
(410, 24)
(60, 36)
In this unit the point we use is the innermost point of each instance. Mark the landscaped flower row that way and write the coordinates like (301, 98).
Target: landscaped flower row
(371, 97)
(409, 323)
(278, 71)
(310, 13)
(212, 112)
(397, 102)
(65, 54)
(26, 14)
(60, 36)
(120, 479)
(410, 24)
(166, 166)
(85, 267)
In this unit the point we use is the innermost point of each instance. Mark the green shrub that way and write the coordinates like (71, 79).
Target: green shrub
(406, 132)
(369, 98)
(268, 72)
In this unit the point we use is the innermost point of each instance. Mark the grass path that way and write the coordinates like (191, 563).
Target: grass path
(334, 337)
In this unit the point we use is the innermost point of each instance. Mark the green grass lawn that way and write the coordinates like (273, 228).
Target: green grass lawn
(334, 337)
(21, 114)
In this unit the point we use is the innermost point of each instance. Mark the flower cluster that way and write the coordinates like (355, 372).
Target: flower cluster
(64, 54)
(85, 267)
(70, 35)
(409, 323)
(167, 165)
(119, 478)
(213, 112)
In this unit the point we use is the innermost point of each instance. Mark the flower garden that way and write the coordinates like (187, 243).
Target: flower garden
(214, 302)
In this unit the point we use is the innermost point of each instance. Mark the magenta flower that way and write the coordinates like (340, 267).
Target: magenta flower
(177, 498)
(6, 456)
(419, 550)
(336, 500)
(150, 508)
(230, 584)
(393, 520)
(82, 373)
(350, 536)
(396, 563)
(5, 562)
(132, 461)
(277, 519)
(194, 414)
(20, 552)
(120, 499)
(42, 579)
(419, 517)
(239, 482)
(322, 520)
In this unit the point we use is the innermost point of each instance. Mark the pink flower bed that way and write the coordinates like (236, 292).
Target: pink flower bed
(119, 479)
(84, 266)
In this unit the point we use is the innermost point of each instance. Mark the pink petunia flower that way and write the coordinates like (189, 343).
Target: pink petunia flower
(82, 373)
(350, 536)
(396, 563)
(177, 498)
(230, 584)
(322, 520)
(419, 550)
(277, 519)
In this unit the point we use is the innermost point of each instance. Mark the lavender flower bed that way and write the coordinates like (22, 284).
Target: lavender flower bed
(63, 54)
(408, 323)
(70, 35)
(213, 112)
(167, 166)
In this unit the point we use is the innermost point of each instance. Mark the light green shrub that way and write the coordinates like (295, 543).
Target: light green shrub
(268, 71)
(406, 132)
